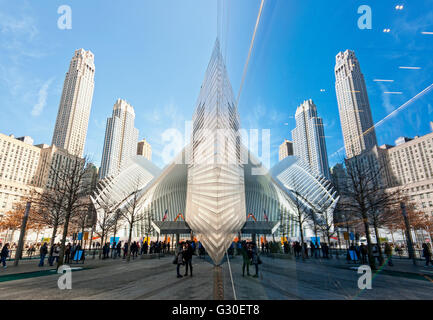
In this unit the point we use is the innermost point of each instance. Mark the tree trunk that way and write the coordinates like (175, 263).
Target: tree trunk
(91, 238)
(102, 243)
(63, 241)
(376, 232)
(128, 258)
(53, 236)
(302, 241)
(369, 248)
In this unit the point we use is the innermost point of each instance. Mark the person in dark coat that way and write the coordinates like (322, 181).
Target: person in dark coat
(125, 250)
(364, 251)
(118, 250)
(67, 253)
(187, 257)
(43, 252)
(426, 252)
(246, 260)
(255, 258)
(4, 255)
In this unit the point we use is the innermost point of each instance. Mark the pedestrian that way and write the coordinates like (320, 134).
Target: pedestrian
(388, 253)
(363, 249)
(187, 257)
(67, 253)
(255, 259)
(312, 247)
(125, 249)
(376, 254)
(246, 259)
(316, 250)
(179, 259)
(325, 250)
(426, 252)
(4, 254)
(43, 252)
(118, 250)
(56, 253)
(113, 250)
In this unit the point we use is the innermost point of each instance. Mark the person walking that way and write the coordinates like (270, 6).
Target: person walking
(426, 252)
(55, 254)
(4, 254)
(388, 253)
(43, 252)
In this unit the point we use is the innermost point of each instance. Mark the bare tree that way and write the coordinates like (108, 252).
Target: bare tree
(69, 185)
(366, 197)
(107, 219)
(301, 216)
(132, 213)
(49, 210)
(147, 225)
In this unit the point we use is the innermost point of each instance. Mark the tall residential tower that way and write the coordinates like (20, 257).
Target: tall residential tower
(353, 105)
(74, 109)
(144, 149)
(121, 137)
(286, 149)
(309, 138)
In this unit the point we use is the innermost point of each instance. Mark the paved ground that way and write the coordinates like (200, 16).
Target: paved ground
(279, 279)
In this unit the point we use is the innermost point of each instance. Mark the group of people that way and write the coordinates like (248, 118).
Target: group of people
(313, 250)
(117, 248)
(183, 257)
(250, 256)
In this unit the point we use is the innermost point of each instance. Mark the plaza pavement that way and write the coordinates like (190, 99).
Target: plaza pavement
(279, 279)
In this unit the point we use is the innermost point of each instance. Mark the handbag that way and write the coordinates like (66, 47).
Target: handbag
(175, 260)
(259, 261)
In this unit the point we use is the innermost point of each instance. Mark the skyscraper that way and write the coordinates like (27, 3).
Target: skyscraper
(74, 109)
(353, 105)
(144, 149)
(121, 137)
(309, 138)
(286, 149)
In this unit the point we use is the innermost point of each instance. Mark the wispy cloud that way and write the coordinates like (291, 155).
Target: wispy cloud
(386, 98)
(42, 98)
(25, 25)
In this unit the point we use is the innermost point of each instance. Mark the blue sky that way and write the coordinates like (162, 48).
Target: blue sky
(154, 55)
